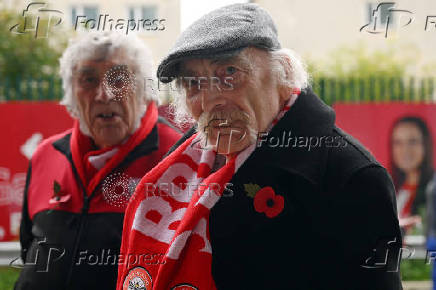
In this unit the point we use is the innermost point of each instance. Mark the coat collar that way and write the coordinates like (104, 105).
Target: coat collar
(308, 117)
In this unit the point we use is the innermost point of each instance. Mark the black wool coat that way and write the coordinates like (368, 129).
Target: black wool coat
(338, 228)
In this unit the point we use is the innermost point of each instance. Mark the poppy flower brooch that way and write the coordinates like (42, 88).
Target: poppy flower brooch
(265, 200)
(59, 196)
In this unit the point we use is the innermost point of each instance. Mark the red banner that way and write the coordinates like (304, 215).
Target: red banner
(24, 125)
(372, 124)
(402, 138)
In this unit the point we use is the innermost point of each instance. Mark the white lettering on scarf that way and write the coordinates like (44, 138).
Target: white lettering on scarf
(180, 241)
(179, 170)
(159, 231)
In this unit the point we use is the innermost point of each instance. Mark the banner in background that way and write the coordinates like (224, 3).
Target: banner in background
(23, 126)
(372, 124)
(402, 137)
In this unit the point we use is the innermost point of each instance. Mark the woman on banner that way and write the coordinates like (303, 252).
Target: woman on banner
(415, 180)
(412, 173)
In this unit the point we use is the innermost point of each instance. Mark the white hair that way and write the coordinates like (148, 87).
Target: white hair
(287, 65)
(100, 45)
(290, 69)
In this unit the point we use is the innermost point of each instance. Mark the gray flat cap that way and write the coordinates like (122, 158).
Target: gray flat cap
(222, 32)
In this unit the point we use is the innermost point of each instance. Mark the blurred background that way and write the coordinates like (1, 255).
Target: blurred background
(372, 61)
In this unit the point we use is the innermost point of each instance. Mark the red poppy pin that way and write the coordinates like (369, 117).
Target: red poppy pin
(265, 200)
(58, 195)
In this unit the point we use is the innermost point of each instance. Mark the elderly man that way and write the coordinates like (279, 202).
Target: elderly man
(79, 181)
(250, 200)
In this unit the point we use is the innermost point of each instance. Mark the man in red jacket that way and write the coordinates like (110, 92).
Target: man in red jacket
(79, 181)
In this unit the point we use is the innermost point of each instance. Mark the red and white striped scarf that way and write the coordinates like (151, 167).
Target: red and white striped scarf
(166, 242)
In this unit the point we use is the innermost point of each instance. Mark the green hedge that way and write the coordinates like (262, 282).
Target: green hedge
(331, 90)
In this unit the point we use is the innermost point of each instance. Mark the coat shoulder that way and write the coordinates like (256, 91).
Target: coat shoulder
(47, 145)
(168, 134)
(347, 158)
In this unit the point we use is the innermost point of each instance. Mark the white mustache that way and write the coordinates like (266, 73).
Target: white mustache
(223, 118)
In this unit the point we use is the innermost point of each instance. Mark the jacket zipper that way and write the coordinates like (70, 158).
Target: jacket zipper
(84, 213)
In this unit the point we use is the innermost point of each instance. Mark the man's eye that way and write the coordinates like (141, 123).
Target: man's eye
(194, 83)
(191, 87)
(88, 81)
(190, 83)
(230, 70)
(119, 81)
(91, 80)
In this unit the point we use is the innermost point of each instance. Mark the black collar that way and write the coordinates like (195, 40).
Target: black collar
(308, 117)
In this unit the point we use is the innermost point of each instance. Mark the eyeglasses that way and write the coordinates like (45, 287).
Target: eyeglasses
(116, 81)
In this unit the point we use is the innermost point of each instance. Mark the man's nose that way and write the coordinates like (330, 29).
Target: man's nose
(212, 97)
(103, 93)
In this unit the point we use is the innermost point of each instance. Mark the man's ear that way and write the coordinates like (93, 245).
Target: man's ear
(284, 90)
(287, 65)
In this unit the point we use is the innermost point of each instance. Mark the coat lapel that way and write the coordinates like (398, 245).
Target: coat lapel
(308, 120)
(278, 167)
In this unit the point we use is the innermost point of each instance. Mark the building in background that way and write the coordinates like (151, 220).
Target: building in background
(159, 40)
(315, 28)
(157, 22)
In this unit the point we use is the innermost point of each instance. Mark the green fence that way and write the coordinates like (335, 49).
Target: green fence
(331, 90)
(31, 89)
(372, 89)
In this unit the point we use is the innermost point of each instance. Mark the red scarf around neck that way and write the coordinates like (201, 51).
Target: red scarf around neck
(81, 148)
(170, 223)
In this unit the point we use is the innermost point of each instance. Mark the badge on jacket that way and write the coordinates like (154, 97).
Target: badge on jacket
(265, 200)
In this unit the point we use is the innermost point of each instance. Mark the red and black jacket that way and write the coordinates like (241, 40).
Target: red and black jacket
(75, 244)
